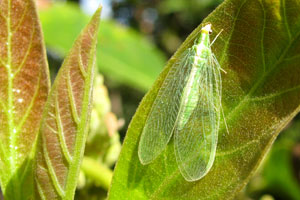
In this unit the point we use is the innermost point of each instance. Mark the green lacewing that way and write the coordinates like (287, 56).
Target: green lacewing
(188, 105)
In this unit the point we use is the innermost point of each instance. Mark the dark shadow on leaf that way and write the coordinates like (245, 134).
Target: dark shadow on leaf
(136, 169)
(24, 178)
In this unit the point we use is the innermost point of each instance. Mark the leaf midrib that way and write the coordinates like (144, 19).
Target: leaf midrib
(81, 131)
(10, 111)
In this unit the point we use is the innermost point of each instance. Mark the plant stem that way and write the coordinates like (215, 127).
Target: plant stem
(95, 170)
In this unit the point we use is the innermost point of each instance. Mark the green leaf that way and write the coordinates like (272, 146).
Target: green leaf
(122, 52)
(24, 86)
(280, 160)
(259, 50)
(66, 119)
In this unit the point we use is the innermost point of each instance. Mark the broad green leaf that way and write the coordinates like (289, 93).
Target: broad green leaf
(181, 6)
(66, 119)
(121, 53)
(24, 86)
(259, 50)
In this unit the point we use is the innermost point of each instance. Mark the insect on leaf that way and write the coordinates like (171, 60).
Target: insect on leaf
(188, 104)
(260, 95)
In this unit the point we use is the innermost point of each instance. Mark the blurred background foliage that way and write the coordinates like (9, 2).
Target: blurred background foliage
(136, 38)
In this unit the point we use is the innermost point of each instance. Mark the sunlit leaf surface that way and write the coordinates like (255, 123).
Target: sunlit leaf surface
(24, 86)
(259, 49)
(65, 121)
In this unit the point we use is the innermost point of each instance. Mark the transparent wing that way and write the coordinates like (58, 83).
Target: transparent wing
(161, 119)
(196, 142)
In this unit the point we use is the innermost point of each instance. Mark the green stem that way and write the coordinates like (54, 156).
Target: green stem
(95, 170)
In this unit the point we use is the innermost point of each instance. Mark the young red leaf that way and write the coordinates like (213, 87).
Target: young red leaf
(24, 86)
(65, 121)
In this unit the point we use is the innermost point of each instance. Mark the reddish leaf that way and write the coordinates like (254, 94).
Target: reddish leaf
(65, 121)
(24, 86)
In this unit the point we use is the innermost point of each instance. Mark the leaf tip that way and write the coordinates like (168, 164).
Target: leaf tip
(97, 14)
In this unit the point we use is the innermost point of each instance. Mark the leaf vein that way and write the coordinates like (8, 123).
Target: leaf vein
(40, 190)
(3, 106)
(26, 54)
(238, 19)
(283, 2)
(276, 94)
(52, 173)
(292, 58)
(263, 38)
(81, 67)
(1, 15)
(232, 151)
(22, 17)
(72, 100)
(164, 184)
(231, 32)
(29, 108)
(2, 63)
(238, 59)
(62, 140)
(51, 129)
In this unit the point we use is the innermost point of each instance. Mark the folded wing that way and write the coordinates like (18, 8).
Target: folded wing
(196, 142)
(161, 119)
